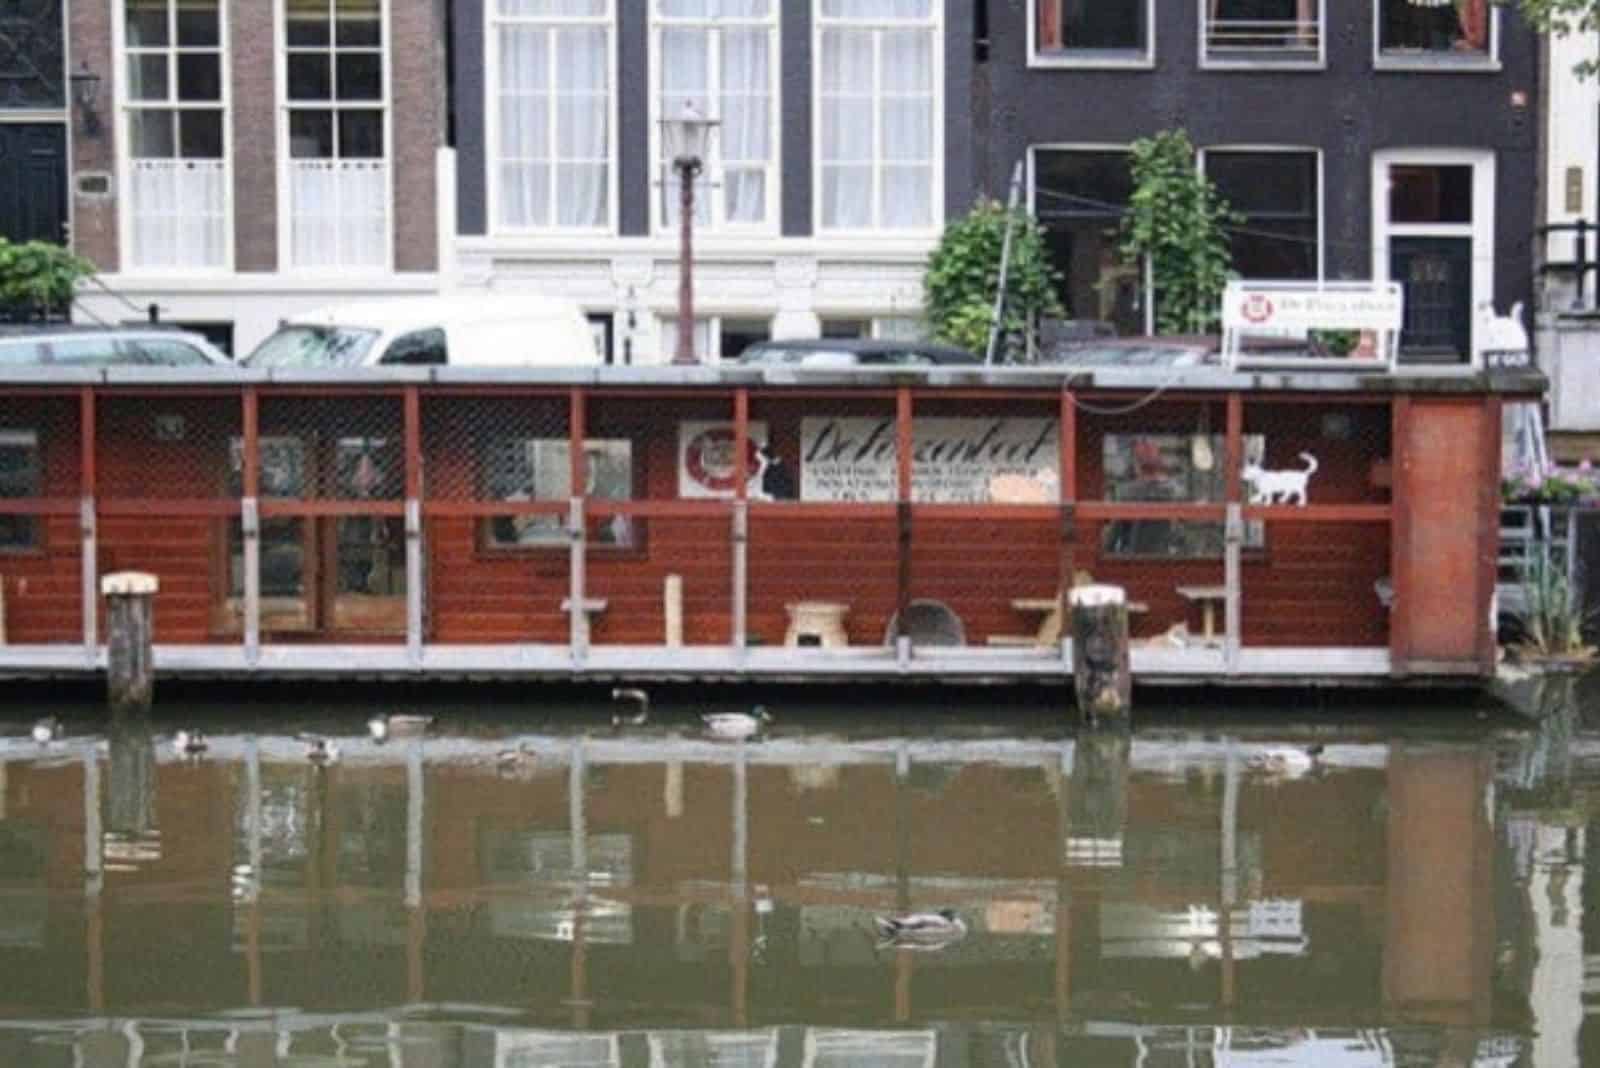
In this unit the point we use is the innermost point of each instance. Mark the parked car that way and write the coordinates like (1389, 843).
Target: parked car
(1133, 352)
(486, 330)
(856, 352)
(67, 345)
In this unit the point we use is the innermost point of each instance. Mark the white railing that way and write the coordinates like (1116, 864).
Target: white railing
(178, 213)
(339, 213)
(1263, 39)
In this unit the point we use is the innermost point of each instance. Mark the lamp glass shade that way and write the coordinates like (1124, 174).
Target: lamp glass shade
(85, 87)
(688, 134)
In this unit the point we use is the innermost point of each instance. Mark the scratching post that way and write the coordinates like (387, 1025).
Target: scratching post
(672, 594)
(1101, 674)
(130, 618)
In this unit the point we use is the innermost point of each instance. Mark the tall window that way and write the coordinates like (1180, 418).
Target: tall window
(1092, 30)
(337, 160)
(177, 160)
(551, 114)
(721, 56)
(1278, 196)
(1079, 198)
(1458, 29)
(1262, 31)
(878, 114)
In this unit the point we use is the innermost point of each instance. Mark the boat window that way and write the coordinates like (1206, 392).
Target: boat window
(19, 477)
(539, 469)
(1171, 468)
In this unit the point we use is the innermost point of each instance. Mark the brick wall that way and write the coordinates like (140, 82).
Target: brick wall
(255, 157)
(94, 219)
(416, 33)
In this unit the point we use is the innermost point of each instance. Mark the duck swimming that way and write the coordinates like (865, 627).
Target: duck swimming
(737, 726)
(924, 930)
(319, 750)
(47, 730)
(1287, 761)
(382, 728)
(190, 743)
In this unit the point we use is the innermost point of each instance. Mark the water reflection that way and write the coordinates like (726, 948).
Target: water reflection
(646, 899)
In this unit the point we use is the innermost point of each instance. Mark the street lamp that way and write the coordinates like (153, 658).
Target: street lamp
(687, 139)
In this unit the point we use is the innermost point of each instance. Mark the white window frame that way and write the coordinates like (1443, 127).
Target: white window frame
(492, 20)
(668, 321)
(1443, 62)
(1321, 193)
(1085, 58)
(1480, 230)
(122, 109)
(1319, 63)
(934, 24)
(712, 175)
(285, 106)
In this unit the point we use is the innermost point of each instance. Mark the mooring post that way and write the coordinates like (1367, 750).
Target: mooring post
(130, 618)
(1101, 674)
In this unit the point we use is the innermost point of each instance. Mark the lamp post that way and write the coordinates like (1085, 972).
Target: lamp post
(686, 138)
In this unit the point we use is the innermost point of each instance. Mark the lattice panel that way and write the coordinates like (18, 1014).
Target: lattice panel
(168, 446)
(1336, 455)
(346, 448)
(1318, 584)
(495, 448)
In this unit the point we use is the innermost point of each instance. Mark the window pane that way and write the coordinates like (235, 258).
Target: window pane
(739, 334)
(878, 9)
(200, 134)
(308, 24)
(311, 134)
(1109, 25)
(147, 77)
(359, 23)
(715, 9)
(151, 134)
(199, 76)
(361, 134)
(147, 23)
(1460, 27)
(360, 76)
(199, 25)
(1277, 194)
(309, 77)
(1430, 194)
(1082, 184)
(568, 8)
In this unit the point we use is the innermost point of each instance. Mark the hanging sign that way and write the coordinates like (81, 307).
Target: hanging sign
(954, 460)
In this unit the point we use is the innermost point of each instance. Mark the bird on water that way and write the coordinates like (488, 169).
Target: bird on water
(737, 726)
(921, 930)
(190, 743)
(47, 730)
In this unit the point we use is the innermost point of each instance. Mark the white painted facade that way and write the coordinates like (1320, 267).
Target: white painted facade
(1572, 137)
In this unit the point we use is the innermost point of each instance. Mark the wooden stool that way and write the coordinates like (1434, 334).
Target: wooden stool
(816, 623)
(1208, 597)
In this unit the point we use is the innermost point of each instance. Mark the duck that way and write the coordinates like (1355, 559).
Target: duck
(929, 930)
(1289, 762)
(511, 759)
(47, 730)
(737, 726)
(382, 728)
(319, 750)
(641, 703)
(190, 743)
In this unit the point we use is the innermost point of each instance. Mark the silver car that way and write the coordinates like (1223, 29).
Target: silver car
(109, 346)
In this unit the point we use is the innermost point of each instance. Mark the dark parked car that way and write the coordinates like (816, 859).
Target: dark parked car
(63, 345)
(856, 352)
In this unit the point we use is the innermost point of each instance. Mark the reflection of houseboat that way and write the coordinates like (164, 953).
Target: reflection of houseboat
(427, 522)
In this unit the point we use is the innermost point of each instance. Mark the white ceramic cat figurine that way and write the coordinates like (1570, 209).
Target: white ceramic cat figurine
(1279, 487)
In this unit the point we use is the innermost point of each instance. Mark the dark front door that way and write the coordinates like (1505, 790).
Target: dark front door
(33, 181)
(1437, 275)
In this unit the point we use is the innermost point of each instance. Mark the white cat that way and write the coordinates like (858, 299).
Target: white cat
(1279, 487)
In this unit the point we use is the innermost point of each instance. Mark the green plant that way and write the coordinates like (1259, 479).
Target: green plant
(1552, 616)
(1562, 18)
(38, 277)
(1177, 219)
(963, 274)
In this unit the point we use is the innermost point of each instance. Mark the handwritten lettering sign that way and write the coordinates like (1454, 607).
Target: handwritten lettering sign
(953, 460)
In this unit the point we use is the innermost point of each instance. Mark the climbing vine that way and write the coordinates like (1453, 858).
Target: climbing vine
(963, 275)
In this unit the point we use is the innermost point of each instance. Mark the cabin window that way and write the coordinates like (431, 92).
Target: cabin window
(540, 469)
(1171, 468)
(1097, 32)
(19, 477)
(1278, 194)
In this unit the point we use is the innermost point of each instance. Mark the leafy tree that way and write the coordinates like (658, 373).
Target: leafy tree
(964, 272)
(1177, 219)
(38, 278)
(1562, 17)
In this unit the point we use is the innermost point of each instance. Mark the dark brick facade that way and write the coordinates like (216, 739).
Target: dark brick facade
(94, 219)
(255, 141)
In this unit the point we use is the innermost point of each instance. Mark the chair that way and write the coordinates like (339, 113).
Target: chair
(928, 623)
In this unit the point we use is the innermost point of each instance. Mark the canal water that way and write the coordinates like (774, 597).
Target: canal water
(530, 885)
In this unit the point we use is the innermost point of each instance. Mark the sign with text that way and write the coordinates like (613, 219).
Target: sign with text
(1278, 308)
(954, 460)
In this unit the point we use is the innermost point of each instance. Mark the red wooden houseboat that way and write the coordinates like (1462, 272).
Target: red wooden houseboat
(1298, 527)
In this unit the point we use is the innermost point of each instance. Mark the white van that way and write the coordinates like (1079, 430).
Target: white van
(478, 330)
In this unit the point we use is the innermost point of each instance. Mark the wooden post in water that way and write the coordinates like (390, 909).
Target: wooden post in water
(1100, 669)
(130, 618)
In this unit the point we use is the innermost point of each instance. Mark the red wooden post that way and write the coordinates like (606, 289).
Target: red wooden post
(86, 420)
(741, 443)
(1068, 482)
(89, 565)
(903, 507)
(413, 425)
(1489, 531)
(1399, 537)
(577, 413)
(1234, 449)
(251, 482)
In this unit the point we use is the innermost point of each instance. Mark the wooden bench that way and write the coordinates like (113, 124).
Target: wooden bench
(1207, 597)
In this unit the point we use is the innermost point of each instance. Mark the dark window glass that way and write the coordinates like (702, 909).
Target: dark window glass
(200, 134)
(311, 134)
(310, 76)
(1430, 194)
(1458, 27)
(152, 134)
(19, 477)
(308, 28)
(198, 27)
(1080, 197)
(359, 23)
(361, 134)
(1276, 192)
(146, 23)
(1098, 25)
(846, 329)
(740, 334)
(199, 76)
(147, 77)
(360, 76)
(421, 348)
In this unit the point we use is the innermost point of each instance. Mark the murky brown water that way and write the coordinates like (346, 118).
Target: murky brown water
(494, 896)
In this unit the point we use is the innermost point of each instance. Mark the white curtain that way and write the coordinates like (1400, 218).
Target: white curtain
(685, 79)
(877, 9)
(178, 216)
(714, 9)
(746, 123)
(552, 8)
(339, 212)
(553, 152)
(906, 116)
(847, 128)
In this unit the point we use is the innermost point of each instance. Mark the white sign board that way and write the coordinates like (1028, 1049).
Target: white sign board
(705, 458)
(1272, 309)
(953, 460)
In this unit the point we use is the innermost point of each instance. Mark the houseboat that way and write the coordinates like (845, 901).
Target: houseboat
(1304, 525)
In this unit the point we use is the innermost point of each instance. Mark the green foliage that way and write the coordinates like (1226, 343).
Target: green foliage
(1564, 17)
(1552, 616)
(37, 277)
(1177, 218)
(963, 274)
